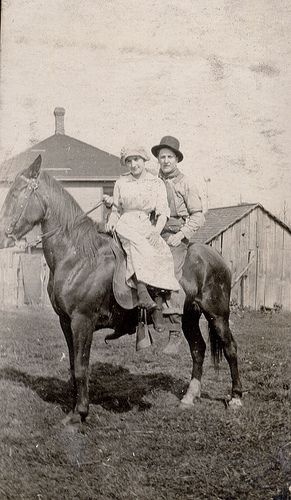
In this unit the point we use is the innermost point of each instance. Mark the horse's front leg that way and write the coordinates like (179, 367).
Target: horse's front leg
(82, 329)
(65, 323)
(191, 329)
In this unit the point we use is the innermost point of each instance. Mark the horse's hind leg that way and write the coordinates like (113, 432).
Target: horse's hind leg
(82, 338)
(221, 339)
(191, 329)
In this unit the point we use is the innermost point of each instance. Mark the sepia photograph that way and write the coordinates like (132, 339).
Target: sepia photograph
(145, 250)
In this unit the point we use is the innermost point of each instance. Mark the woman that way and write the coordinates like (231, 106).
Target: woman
(149, 261)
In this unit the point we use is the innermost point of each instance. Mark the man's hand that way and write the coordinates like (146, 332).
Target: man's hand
(153, 238)
(175, 239)
(108, 200)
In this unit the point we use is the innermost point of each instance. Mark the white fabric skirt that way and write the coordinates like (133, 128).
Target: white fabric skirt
(152, 265)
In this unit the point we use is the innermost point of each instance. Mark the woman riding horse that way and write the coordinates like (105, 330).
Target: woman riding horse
(136, 195)
(82, 263)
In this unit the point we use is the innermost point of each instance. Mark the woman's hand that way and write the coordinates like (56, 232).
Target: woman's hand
(111, 224)
(110, 228)
(153, 238)
(108, 200)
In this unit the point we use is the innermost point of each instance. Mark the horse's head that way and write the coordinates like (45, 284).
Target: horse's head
(23, 208)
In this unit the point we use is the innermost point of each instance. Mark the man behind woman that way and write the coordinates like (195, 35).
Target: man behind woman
(153, 260)
(186, 216)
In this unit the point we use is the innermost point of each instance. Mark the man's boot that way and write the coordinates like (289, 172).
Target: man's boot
(175, 335)
(144, 297)
(157, 315)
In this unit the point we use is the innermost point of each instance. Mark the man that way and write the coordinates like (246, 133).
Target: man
(186, 217)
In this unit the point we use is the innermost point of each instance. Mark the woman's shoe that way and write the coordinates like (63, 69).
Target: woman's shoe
(144, 297)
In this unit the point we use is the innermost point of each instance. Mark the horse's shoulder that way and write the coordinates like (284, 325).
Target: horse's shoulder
(203, 251)
(196, 250)
(207, 254)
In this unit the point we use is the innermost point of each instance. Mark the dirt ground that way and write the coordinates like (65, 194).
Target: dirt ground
(137, 443)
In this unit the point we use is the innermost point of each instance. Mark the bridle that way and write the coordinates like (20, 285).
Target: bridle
(32, 186)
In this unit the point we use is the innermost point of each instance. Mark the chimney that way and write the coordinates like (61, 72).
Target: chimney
(59, 120)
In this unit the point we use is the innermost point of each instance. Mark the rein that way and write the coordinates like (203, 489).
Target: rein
(53, 231)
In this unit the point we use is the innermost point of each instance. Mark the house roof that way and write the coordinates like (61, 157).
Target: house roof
(65, 158)
(218, 220)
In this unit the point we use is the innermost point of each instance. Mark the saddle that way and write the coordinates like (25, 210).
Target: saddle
(125, 295)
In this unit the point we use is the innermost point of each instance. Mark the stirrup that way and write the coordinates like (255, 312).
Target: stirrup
(143, 336)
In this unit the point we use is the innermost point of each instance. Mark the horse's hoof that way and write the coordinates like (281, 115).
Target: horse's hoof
(71, 419)
(111, 336)
(81, 410)
(186, 406)
(235, 404)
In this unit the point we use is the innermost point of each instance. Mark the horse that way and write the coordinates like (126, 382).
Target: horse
(81, 262)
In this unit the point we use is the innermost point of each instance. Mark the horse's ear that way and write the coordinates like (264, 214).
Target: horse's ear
(32, 172)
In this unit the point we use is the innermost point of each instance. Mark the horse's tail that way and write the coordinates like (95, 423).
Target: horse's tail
(215, 345)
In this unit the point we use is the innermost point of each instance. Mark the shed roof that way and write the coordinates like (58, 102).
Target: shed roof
(65, 158)
(218, 220)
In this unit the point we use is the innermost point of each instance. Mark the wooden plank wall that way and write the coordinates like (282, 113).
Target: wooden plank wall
(10, 292)
(251, 278)
(19, 286)
(234, 245)
(260, 239)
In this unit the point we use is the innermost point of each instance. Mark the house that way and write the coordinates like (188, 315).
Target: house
(84, 170)
(257, 247)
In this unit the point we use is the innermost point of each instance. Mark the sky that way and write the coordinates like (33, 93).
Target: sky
(213, 74)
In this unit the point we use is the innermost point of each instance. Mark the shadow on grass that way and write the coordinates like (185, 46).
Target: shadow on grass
(205, 395)
(112, 387)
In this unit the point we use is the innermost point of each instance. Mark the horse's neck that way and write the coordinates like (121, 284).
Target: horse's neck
(55, 246)
(61, 229)
(56, 241)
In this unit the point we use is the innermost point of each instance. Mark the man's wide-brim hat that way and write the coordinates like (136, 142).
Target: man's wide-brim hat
(171, 143)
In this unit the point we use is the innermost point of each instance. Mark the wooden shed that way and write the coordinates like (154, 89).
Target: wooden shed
(257, 247)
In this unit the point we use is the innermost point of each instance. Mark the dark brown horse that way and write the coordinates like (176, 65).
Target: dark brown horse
(81, 263)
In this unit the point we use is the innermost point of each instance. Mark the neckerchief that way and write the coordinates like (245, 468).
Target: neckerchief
(171, 175)
(174, 174)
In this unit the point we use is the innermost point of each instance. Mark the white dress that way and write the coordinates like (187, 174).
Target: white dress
(133, 201)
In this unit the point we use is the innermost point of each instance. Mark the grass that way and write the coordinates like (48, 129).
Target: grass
(137, 443)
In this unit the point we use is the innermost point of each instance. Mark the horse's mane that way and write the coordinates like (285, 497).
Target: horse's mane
(86, 234)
